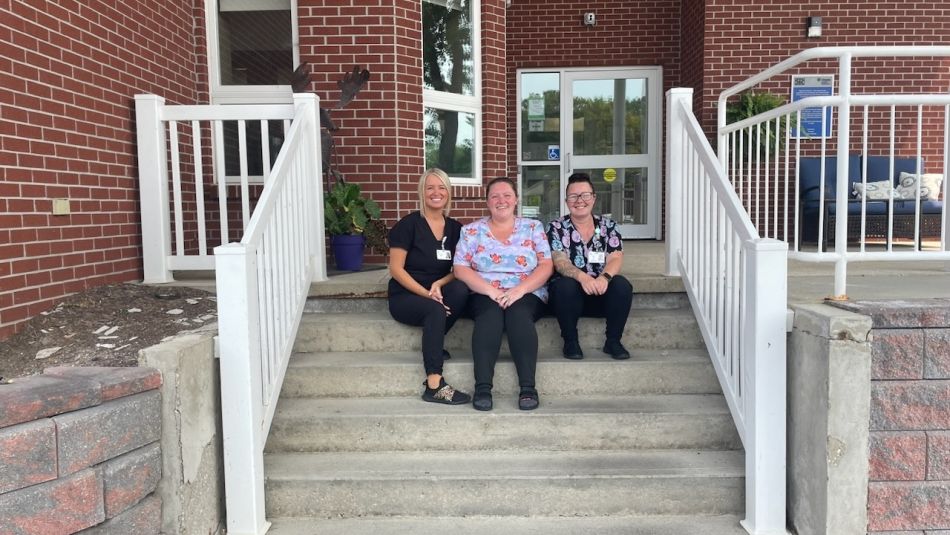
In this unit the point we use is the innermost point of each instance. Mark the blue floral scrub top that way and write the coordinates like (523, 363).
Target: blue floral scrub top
(564, 237)
(504, 264)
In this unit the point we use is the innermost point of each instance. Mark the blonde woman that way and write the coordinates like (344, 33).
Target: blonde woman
(423, 291)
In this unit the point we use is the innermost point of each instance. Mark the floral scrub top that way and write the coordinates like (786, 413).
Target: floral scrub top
(564, 237)
(504, 264)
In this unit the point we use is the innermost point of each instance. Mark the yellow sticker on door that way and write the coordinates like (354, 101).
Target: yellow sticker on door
(610, 175)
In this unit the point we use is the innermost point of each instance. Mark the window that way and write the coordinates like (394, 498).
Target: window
(252, 55)
(452, 88)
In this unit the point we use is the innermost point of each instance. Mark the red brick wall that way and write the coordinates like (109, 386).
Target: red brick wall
(69, 71)
(692, 48)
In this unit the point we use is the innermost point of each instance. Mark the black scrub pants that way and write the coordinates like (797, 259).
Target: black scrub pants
(569, 302)
(419, 311)
(518, 321)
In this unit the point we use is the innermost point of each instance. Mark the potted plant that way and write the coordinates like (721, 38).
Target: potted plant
(750, 104)
(351, 221)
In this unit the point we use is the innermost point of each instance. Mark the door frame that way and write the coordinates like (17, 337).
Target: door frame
(566, 164)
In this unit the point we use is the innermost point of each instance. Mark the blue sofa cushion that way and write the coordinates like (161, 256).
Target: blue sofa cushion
(880, 207)
(879, 168)
(809, 175)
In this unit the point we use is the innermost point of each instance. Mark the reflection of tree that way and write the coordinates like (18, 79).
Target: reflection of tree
(552, 110)
(457, 157)
(445, 56)
(596, 136)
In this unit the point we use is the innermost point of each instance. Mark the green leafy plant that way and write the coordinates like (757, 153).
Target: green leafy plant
(347, 211)
(751, 104)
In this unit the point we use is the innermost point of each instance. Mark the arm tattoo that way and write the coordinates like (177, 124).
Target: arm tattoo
(563, 264)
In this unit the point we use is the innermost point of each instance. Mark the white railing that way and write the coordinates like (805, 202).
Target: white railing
(736, 284)
(263, 283)
(768, 174)
(179, 225)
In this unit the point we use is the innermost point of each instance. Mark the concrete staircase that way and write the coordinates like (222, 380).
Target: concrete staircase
(644, 446)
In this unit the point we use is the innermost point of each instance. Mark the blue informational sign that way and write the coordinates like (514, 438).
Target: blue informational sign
(554, 153)
(812, 86)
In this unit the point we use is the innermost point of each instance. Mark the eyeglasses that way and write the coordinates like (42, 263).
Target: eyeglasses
(586, 196)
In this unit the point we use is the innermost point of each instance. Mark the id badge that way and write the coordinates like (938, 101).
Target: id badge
(443, 254)
(596, 257)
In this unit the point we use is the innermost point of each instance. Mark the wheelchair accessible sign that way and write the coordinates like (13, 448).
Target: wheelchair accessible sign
(811, 120)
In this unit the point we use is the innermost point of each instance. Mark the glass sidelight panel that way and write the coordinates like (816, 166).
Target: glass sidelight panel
(540, 116)
(541, 192)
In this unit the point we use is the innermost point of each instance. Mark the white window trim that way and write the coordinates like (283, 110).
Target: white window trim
(464, 103)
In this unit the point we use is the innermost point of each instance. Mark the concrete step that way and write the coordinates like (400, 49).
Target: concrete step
(538, 483)
(561, 423)
(641, 301)
(601, 525)
(377, 331)
(400, 373)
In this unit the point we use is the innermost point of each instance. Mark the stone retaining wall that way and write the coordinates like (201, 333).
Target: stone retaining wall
(80, 452)
(909, 457)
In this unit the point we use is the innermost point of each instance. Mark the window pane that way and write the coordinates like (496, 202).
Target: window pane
(255, 47)
(540, 114)
(450, 141)
(541, 193)
(447, 46)
(610, 116)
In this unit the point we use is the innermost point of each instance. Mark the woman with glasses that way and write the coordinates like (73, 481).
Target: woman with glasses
(505, 261)
(423, 291)
(588, 255)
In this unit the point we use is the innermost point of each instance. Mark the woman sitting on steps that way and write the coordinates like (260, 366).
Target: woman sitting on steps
(423, 291)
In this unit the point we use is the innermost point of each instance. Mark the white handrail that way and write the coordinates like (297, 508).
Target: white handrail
(176, 227)
(263, 283)
(736, 285)
(741, 153)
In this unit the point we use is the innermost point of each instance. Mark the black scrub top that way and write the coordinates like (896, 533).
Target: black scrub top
(413, 234)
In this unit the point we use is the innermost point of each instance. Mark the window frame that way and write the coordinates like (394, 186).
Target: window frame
(471, 104)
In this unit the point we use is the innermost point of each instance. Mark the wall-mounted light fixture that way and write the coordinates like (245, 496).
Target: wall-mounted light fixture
(814, 27)
(590, 19)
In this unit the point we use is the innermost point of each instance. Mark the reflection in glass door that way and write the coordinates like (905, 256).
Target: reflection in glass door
(610, 120)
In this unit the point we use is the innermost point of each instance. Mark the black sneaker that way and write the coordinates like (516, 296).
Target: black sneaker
(482, 401)
(572, 350)
(444, 394)
(616, 350)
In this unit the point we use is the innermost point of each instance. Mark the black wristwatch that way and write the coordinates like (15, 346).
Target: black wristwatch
(607, 276)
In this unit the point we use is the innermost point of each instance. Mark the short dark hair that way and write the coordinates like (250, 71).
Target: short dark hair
(579, 177)
(504, 179)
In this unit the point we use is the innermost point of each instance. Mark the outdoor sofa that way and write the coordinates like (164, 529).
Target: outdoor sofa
(877, 206)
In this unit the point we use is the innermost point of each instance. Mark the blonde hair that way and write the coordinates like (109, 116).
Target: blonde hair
(434, 171)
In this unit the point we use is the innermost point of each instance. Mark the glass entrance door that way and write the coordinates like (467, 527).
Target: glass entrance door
(605, 122)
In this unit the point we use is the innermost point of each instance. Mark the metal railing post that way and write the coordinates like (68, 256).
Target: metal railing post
(844, 181)
(153, 189)
(764, 385)
(241, 388)
(675, 98)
